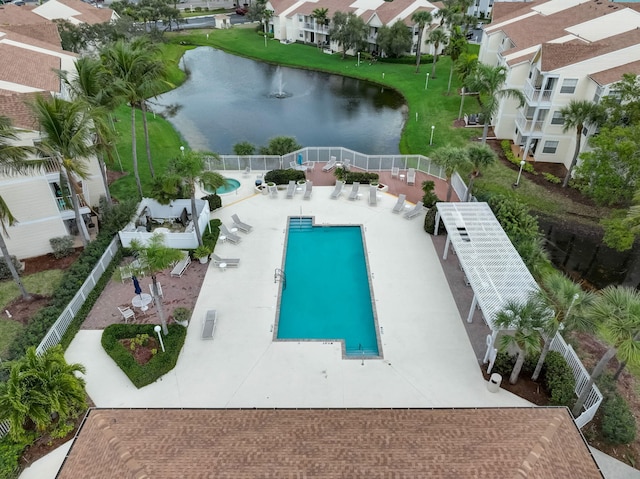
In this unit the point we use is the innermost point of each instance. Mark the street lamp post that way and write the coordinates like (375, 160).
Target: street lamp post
(157, 329)
(182, 150)
(426, 83)
(358, 58)
(517, 183)
(433, 127)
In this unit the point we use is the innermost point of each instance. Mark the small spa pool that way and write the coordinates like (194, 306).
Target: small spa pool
(231, 186)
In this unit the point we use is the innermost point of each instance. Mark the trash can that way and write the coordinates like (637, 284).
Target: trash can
(494, 383)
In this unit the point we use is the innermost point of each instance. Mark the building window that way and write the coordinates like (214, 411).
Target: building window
(550, 147)
(557, 118)
(569, 85)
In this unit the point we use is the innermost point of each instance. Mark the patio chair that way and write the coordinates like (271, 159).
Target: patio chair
(395, 171)
(295, 166)
(291, 189)
(228, 261)
(244, 227)
(307, 190)
(159, 290)
(127, 313)
(234, 238)
(353, 195)
(247, 171)
(399, 204)
(373, 195)
(273, 191)
(337, 190)
(346, 164)
(411, 176)
(415, 211)
(182, 265)
(125, 273)
(209, 324)
(331, 164)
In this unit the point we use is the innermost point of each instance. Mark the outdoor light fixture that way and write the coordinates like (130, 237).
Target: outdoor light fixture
(517, 183)
(182, 150)
(157, 329)
(433, 127)
(426, 83)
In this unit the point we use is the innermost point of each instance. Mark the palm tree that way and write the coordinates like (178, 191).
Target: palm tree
(617, 311)
(480, 157)
(138, 75)
(465, 65)
(437, 38)
(457, 46)
(320, 15)
(526, 320)
(422, 18)
(451, 159)
(487, 82)
(570, 305)
(575, 115)
(39, 389)
(183, 172)
(67, 139)
(153, 258)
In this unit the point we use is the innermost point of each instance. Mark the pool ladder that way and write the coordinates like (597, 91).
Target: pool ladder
(278, 274)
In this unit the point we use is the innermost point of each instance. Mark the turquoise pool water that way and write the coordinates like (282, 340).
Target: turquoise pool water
(232, 185)
(327, 293)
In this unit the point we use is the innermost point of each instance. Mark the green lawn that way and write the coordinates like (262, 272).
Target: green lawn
(8, 330)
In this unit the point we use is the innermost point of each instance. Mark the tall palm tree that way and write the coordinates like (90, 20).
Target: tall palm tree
(570, 305)
(422, 18)
(465, 65)
(451, 159)
(525, 319)
(617, 311)
(487, 82)
(67, 139)
(39, 388)
(153, 258)
(437, 38)
(321, 15)
(181, 177)
(480, 157)
(577, 114)
(457, 46)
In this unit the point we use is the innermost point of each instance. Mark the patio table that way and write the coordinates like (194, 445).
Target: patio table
(142, 301)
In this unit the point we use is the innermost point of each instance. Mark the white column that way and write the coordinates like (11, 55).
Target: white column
(474, 303)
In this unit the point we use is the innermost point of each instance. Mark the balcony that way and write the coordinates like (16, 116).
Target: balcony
(536, 94)
(65, 204)
(528, 126)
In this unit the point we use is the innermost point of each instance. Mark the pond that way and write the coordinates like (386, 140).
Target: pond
(229, 99)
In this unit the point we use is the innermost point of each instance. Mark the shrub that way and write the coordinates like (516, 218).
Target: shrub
(5, 273)
(159, 365)
(503, 364)
(506, 148)
(618, 423)
(282, 177)
(552, 178)
(10, 452)
(558, 380)
(62, 246)
(198, 9)
(214, 201)
(430, 222)
(244, 148)
(361, 177)
(211, 233)
(430, 198)
(181, 314)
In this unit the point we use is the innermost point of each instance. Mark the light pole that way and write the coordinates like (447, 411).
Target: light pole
(433, 127)
(461, 104)
(426, 83)
(517, 183)
(157, 329)
(182, 150)
(358, 58)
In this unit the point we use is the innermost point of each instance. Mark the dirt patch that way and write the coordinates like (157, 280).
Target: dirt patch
(142, 353)
(48, 262)
(526, 388)
(22, 310)
(115, 175)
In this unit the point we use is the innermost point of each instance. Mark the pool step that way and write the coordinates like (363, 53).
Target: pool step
(301, 223)
(362, 352)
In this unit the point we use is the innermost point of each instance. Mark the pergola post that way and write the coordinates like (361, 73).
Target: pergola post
(491, 340)
(436, 224)
(446, 247)
(474, 303)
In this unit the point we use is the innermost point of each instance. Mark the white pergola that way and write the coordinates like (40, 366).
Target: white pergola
(494, 269)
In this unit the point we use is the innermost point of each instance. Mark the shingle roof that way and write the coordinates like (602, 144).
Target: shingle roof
(46, 32)
(88, 13)
(537, 443)
(307, 8)
(612, 75)
(14, 15)
(15, 106)
(30, 68)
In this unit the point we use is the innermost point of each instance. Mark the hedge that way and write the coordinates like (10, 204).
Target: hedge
(283, 177)
(10, 453)
(363, 178)
(559, 380)
(618, 422)
(158, 365)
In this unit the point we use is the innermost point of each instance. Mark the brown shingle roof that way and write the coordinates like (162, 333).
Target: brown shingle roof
(612, 75)
(29, 68)
(46, 32)
(15, 107)
(502, 11)
(88, 13)
(14, 15)
(332, 6)
(537, 443)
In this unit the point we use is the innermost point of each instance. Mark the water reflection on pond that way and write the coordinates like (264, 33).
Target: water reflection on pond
(228, 100)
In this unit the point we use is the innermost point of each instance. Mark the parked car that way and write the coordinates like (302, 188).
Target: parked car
(242, 11)
(19, 3)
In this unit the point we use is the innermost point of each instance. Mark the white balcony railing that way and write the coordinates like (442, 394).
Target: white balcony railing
(536, 94)
(64, 203)
(527, 125)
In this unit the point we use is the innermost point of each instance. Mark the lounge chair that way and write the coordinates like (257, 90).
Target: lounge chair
(353, 195)
(411, 176)
(346, 164)
(413, 212)
(307, 190)
(399, 204)
(127, 313)
(273, 190)
(234, 238)
(209, 324)
(244, 227)
(373, 195)
(159, 290)
(181, 266)
(337, 190)
(295, 166)
(228, 261)
(291, 189)
(331, 164)
(247, 171)
(395, 171)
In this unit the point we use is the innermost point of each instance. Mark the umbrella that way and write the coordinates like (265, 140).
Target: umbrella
(136, 285)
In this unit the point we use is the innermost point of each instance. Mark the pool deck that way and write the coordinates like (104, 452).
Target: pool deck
(428, 359)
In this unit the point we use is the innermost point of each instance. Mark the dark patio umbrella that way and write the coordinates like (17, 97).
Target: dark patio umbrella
(136, 285)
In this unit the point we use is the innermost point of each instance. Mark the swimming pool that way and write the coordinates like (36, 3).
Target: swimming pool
(232, 185)
(326, 294)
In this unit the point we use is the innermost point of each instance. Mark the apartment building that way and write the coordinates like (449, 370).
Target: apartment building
(556, 51)
(30, 53)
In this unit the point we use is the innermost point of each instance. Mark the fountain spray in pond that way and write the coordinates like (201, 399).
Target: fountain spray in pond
(278, 86)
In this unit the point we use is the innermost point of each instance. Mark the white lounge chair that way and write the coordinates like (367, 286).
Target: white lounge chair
(337, 190)
(395, 171)
(399, 204)
(331, 164)
(307, 190)
(415, 211)
(244, 227)
(181, 266)
(353, 195)
(247, 171)
(411, 176)
(295, 166)
(234, 238)
(373, 195)
(228, 261)
(291, 189)
(127, 313)
(209, 324)
(346, 164)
